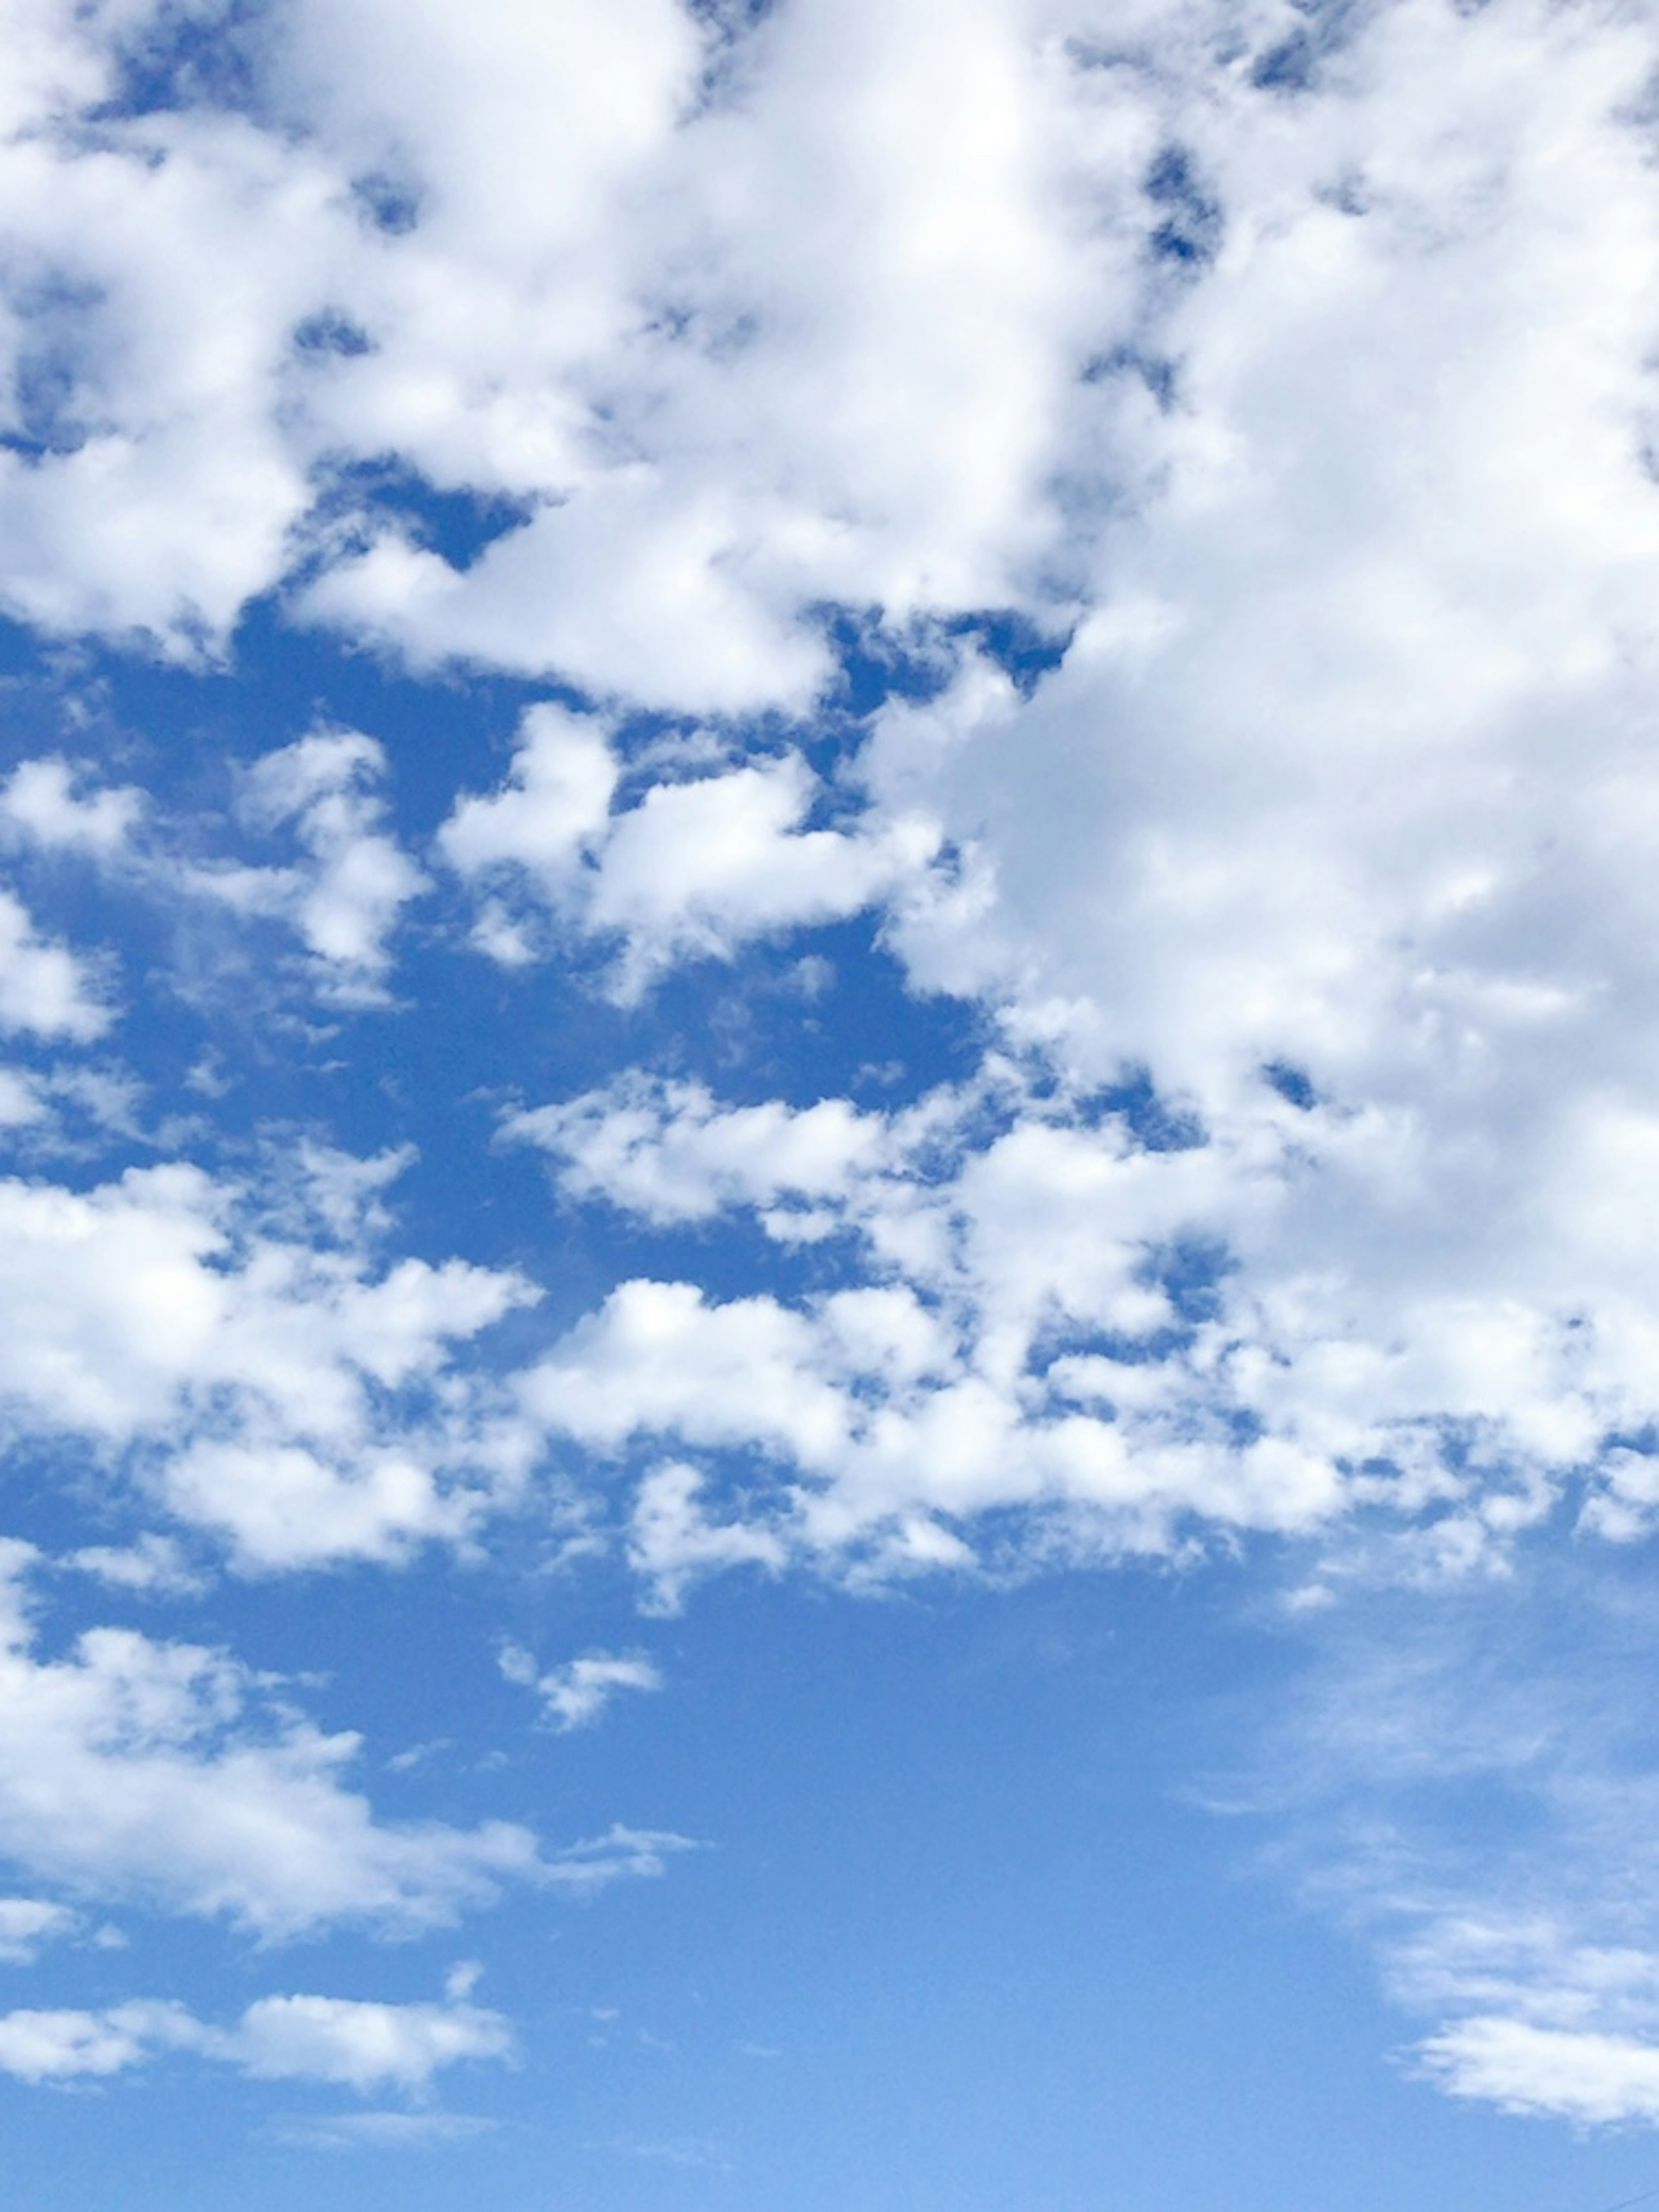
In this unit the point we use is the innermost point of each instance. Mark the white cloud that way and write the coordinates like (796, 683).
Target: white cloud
(576, 1694)
(21, 1102)
(40, 2046)
(345, 897)
(737, 356)
(46, 990)
(1565, 2074)
(1461, 1774)
(669, 1152)
(27, 1923)
(299, 1399)
(156, 1565)
(1022, 1347)
(1329, 416)
(363, 2046)
(167, 1773)
(620, 1853)
(691, 869)
(343, 893)
(39, 801)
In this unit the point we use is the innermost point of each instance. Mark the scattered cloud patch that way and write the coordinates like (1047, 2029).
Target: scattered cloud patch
(169, 1774)
(27, 1924)
(693, 869)
(578, 1693)
(359, 2046)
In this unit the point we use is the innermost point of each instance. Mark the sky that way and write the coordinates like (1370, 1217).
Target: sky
(830, 1083)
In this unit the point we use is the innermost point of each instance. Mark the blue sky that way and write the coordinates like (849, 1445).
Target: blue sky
(830, 1105)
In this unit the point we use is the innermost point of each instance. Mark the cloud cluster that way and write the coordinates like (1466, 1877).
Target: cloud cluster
(1076, 1306)
(341, 890)
(363, 2046)
(46, 990)
(291, 1394)
(700, 317)
(1298, 369)
(172, 1776)
(696, 866)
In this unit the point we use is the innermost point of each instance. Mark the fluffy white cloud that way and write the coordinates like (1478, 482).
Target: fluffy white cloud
(291, 1393)
(879, 1437)
(40, 2045)
(577, 1693)
(173, 1777)
(362, 2046)
(733, 343)
(342, 891)
(344, 897)
(692, 869)
(27, 1923)
(1307, 364)
(164, 1772)
(669, 1151)
(39, 801)
(45, 990)
(1334, 821)
(1567, 2074)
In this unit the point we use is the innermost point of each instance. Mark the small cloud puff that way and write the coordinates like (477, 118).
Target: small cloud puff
(576, 1694)
(39, 802)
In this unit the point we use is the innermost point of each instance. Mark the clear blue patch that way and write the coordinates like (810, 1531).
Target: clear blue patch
(1157, 1124)
(1191, 1272)
(876, 664)
(47, 399)
(1292, 1084)
(330, 332)
(182, 59)
(389, 203)
(1159, 375)
(1288, 67)
(1189, 231)
(459, 525)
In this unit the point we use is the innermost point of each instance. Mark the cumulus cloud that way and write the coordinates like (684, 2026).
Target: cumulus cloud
(362, 2046)
(292, 1394)
(736, 353)
(1328, 823)
(345, 896)
(1043, 1336)
(692, 869)
(671, 1152)
(341, 891)
(165, 1773)
(172, 1776)
(39, 802)
(1298, 372)
(46, 990)
(1592, 2080)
